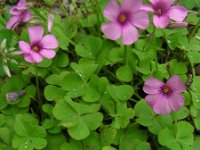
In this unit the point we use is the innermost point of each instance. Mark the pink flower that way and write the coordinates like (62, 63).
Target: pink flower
(20, 14)
(124, 20)
(164, 97)
(39, 46)
(164, 11)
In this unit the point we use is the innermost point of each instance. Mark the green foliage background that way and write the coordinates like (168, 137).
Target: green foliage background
(90, 95)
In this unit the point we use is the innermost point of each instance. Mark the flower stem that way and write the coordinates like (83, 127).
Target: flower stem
(38, 92)
(63, 8)
(125, 54)
(195, 29)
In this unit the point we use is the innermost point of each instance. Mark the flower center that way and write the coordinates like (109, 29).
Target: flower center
(122, 18)
(166, 89)
(35, 48)
(159, 12)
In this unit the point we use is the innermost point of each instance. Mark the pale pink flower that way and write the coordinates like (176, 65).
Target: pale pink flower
(20, 14)
(124, 20)
(39, 46)
(164, 97)
(164, 11)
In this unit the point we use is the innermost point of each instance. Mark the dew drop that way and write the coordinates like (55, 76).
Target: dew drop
(169, 41)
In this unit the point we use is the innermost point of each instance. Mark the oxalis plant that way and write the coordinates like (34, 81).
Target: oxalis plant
(100, 75)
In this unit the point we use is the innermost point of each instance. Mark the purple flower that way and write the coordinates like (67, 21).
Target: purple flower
(164, 11)
(20, 14)
(39, 46)
(164, 97)
(124, 20)
(12, 96)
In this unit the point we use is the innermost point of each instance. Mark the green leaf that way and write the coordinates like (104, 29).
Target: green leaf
(93, 120)
(74, 84)
(72, 145)
(5, 135)
(85, 68)
(38, 143)
(122, 92)
(124, 73)
(194, 56)
(92, 142)
(53, 93)
(107, 135)
(131, 137)
(61, 60)
(182, 137)
(144, 113)
(61, 109)
(80, 131)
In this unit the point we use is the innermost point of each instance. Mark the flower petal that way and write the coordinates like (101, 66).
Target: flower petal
(131, 5)
(48, 53)
(27, 16)
(35, 34)
(162, 106)
(176, 84)
(152, 99)
(152, 86)
(49, 42)
(161, 21)
(112, 30)
(140, 19)
(112, 10)
(147, 7)
(166, 2)
(176, 101)
(36, 56)
(25, 47)
(28, 58)
(129, 34)
(178, 13)
(14, 11)
(15, 20)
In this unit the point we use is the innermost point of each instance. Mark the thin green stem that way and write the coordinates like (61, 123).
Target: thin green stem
(125, 54)
(99, 10)
(195, 29)
(95, 10)
(37, 13)
(63, 8)
(38, 92)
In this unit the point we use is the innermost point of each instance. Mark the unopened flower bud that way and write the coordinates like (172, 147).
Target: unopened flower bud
(6, 70)
(175, 25)
(22, 92)
(12, 96)
(50, 22)
(3, 44)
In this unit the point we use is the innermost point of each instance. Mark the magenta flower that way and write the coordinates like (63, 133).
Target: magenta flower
(39, 46)
(164, 11)
(164, 97)
(20, 14)
(124, 20)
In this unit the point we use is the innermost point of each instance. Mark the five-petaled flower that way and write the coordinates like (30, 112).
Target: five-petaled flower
(39, 46)
(20, 14)
(164, 11)
(124, 20)
(164, 97)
